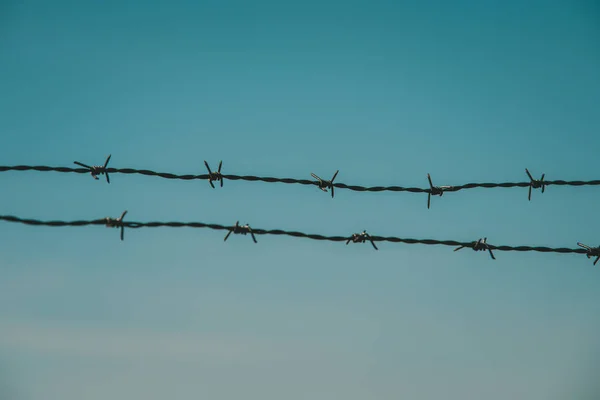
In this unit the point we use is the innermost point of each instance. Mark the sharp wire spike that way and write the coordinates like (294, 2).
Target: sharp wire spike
(82, 164)
(220, 165)
(242, 230)
(434, 190)
(105, 165)
(209, 174)
(373, 243)
(529, 174)
(207, 167)
(96, 170)
(535, 184)
(478, 245)
(214, 176)
(121, 222)
(591, 251)
(543, 185)
(117, 223)
(361, 238)
(323, 184)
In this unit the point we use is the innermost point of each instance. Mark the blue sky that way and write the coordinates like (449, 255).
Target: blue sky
(386, 92)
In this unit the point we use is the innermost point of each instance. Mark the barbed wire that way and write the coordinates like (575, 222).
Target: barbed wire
(321, 183)
(477, 245)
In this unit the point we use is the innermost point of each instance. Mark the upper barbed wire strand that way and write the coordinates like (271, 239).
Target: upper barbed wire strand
(253, 178)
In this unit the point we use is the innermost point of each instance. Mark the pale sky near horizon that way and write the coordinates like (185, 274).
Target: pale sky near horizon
(384, 91)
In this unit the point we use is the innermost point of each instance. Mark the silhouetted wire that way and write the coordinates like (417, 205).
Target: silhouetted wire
(392, 239)
(253, 178)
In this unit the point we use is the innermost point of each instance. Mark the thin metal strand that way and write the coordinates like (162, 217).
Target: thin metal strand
(252, 178)
(392, 239)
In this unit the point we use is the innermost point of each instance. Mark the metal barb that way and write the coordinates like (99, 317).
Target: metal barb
(434, 190)
(324, 184)
(117, 223)
(479, 245)
(535, 183)
(214, 176)
(241, 230)
(97, 169)
(361, 238)
(591, 251)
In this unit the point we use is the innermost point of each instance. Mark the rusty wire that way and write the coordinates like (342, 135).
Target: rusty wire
(252, 178)
(109, 222)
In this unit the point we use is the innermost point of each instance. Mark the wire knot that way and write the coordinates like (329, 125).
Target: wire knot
(96, 170)
(591, 251)
(479, 245)
(240, 230)
(325, 184)
(214, 176)
(435, 190)
(535, 183)
(116, 223)
(361, 238)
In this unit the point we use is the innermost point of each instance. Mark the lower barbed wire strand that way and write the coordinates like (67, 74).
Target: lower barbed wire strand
(392, 239)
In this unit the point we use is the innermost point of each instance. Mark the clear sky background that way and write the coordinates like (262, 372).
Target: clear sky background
(386, 92)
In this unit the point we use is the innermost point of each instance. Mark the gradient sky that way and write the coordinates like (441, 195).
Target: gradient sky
(384, 91)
